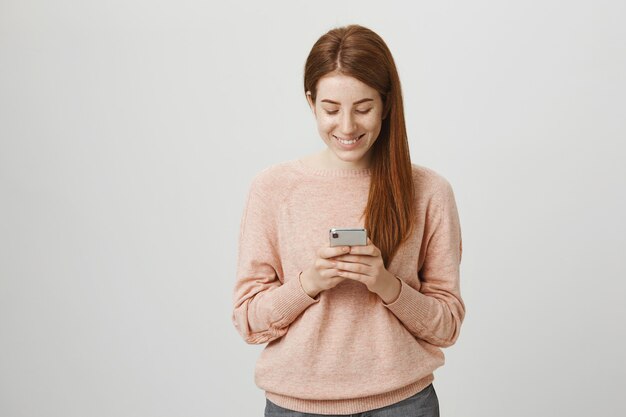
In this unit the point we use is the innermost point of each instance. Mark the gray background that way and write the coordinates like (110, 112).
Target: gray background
(130, 131)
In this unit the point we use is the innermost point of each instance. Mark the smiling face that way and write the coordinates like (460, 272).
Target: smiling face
(349, 118)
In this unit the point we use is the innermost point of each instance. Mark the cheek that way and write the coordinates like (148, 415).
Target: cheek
(325, 124)
(373, 124)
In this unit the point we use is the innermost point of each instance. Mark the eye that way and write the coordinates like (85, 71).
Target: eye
(331, 111)
(364, 111)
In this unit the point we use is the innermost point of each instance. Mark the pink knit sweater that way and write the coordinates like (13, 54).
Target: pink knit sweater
(345, 351)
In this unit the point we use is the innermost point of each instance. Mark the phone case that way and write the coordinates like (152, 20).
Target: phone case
(348, 236)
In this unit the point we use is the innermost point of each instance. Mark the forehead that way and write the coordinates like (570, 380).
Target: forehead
(343, 88)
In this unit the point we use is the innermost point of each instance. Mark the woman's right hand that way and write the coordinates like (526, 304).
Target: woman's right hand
(322, 275)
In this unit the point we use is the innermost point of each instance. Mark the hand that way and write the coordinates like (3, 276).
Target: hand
(365, 264)
(322, 275)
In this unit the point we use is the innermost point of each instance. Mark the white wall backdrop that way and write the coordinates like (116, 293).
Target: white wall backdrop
(129, 132)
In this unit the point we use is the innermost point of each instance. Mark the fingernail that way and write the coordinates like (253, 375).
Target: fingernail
(346, 248)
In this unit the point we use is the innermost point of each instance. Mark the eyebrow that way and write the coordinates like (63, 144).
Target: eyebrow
(363, 100)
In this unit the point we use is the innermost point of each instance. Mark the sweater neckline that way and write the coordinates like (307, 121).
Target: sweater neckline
(332, 172)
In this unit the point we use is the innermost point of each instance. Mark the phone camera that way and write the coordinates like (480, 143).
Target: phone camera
(335, 235)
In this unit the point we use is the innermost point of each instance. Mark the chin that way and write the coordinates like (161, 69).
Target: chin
(349, 157)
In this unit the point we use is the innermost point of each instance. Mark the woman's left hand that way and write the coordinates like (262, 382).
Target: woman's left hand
(365, 264)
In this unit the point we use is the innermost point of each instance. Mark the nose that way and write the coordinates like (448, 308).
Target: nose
(348, 126)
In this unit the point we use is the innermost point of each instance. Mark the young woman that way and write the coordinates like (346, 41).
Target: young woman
(356, 329)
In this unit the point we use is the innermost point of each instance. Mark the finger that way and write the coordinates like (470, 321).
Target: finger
(353, 267)
(331, 251)
(354, 276)
(369, 250)
(360, 259)
(329, 273)
(322, 264)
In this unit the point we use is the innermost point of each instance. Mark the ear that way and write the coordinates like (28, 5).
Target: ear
(311, 103)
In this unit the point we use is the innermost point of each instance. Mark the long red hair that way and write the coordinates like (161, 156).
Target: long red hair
(359, 52)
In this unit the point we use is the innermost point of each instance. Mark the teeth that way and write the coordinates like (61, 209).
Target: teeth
(348, 142)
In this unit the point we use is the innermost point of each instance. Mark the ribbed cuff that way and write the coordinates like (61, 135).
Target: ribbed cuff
(411, 306)
(291, 301)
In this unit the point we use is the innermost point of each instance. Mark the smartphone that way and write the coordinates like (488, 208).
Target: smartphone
(347, 237)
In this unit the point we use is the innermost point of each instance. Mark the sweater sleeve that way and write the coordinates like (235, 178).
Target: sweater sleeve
(264, 306)
(435, 311)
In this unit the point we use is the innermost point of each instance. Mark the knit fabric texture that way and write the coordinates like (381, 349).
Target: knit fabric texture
(344, 351)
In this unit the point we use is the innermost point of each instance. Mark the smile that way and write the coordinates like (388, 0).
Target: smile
(348, 141)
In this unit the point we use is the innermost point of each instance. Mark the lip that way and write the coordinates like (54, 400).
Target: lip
(348, 147)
